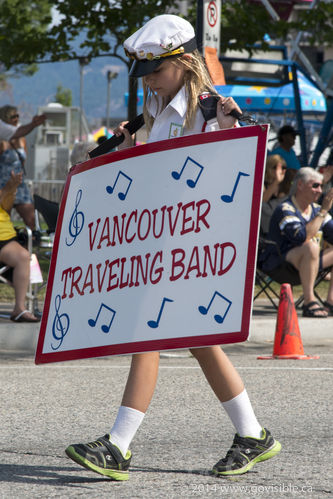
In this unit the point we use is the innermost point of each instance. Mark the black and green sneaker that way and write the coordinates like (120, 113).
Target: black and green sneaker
(101, 456)
(245, 452)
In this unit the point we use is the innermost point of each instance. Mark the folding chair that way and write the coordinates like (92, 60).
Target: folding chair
(49, 211)
(265, 279)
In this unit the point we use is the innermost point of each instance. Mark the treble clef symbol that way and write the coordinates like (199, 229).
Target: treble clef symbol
(60, 324)
(77, 220)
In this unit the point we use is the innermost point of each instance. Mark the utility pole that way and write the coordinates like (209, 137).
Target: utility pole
(83, 61)
(110, 76)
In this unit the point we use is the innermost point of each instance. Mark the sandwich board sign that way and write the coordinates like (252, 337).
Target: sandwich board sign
(155, 248)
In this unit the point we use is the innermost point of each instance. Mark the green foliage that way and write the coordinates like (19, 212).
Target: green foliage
(23, 26)
(63, 96)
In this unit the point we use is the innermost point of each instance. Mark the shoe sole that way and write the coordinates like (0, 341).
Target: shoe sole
(268, 454)
(113, 474)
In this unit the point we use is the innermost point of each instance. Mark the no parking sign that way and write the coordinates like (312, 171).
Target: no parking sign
(155, 248)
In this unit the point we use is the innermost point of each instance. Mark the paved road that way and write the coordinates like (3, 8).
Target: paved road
(44, 408)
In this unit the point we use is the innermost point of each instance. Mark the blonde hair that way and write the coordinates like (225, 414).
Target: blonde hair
(196, 81)
(271, 163)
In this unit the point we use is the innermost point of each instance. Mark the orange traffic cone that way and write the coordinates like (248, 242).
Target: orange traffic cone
(287, 343)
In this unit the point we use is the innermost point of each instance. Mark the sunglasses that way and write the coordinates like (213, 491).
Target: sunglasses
(14, 116)
(316, 185)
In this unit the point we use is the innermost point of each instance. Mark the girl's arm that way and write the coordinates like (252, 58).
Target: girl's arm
(8, 192)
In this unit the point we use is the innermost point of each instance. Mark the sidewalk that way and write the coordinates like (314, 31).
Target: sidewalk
(23, 337)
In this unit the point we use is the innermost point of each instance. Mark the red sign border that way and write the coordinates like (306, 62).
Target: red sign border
(259, 131)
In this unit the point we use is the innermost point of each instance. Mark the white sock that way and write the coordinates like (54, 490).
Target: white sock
(239, 410)
(127, 422)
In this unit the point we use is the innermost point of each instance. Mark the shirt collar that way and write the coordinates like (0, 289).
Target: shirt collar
(178, 104)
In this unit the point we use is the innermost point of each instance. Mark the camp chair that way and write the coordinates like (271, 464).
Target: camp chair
(48, 210)
(265, 280)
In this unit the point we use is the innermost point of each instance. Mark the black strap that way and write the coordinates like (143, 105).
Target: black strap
(114, 141)
(207, 104)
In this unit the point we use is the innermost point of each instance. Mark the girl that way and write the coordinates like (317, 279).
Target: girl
(174, 77)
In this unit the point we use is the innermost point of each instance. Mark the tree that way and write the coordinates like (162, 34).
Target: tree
(23, 31)
(27, 35)
(106, 25)
(63, 96)
(23, 25)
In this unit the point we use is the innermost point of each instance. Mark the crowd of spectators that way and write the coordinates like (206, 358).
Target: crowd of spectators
(296, 210)
(296, 220)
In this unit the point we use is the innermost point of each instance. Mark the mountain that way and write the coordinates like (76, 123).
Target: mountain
(38, 90)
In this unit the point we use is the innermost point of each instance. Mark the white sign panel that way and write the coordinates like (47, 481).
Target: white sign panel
(212, 24)
(155, 248)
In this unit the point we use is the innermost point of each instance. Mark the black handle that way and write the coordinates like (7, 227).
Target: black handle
(114, 141)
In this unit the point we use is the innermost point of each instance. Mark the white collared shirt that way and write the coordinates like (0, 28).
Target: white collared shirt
(169, 123)
(6, 130)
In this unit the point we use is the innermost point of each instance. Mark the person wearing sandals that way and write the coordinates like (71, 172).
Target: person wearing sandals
(12, 253)
(303, 231)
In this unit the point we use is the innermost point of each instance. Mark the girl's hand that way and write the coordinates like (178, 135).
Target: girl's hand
(128, 140)
(224, 106)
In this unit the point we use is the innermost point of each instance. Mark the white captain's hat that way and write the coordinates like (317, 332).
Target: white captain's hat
(160, 38)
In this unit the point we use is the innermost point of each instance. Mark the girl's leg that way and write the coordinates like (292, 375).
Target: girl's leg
(252, 443)
(219, 371)
(141, 381)
(229, 389)
(138, 393)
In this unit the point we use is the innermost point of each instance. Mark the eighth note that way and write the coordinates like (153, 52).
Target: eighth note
(121, 195)
(155, 324)
(189, 162)
(226, 197)
(218, 318)
(104, 327)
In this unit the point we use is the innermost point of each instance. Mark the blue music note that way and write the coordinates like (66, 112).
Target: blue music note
(76, 222)
(155, 324)
(218, 318)
(60, 324)
(189, 162)
(121, 195)
(226, 197)
(104, 327)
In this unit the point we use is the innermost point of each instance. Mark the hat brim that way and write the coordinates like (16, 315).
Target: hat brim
(143, 68)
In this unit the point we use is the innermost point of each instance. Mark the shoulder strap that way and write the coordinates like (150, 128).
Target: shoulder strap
(208, 104)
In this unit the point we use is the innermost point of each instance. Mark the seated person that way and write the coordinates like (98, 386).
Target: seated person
(12, 253)
(298, 227)
(80, 152)
(274, 176)
(275, 189)
(286, 141)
